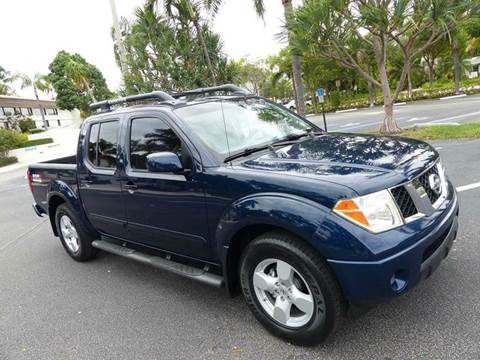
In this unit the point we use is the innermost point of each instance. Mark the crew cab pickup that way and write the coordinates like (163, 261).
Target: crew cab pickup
(235, 191)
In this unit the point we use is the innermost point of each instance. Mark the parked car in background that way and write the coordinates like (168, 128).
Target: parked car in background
(236, 192)
(292, 106)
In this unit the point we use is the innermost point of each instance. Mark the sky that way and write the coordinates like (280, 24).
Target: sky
(33, 31)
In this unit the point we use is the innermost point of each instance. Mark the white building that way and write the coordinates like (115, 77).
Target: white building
(474, 64)
(31, 108)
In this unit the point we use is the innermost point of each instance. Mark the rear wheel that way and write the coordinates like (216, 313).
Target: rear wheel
(290, 289)
(74, 237)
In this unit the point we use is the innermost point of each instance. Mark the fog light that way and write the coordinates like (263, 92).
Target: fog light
(399, 280)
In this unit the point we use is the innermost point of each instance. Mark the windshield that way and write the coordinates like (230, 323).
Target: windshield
(248, 123)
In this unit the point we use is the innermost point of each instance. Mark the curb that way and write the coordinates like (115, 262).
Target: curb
(345, 111)
(453, 97)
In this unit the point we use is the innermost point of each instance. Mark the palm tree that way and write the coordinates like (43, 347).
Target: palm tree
(6, 78)
(214, 5)
(79, 74)
(190, 11)
(37, 82)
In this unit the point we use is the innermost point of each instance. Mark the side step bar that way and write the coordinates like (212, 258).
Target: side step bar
(190, 272)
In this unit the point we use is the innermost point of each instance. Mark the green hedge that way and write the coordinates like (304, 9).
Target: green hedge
(35, 131)
(36, 142)
(4, 161)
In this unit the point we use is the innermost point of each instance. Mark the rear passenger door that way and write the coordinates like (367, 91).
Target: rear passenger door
(164, 210)
(99, 183)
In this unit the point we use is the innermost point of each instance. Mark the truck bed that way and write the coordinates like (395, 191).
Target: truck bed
(43, 175)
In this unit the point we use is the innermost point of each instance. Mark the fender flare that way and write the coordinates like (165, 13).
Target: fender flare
(60, 189)
(295, 214)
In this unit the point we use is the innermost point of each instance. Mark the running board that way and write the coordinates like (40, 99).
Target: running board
(190, 272)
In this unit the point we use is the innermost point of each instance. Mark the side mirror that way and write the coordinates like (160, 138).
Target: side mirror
(164, 161)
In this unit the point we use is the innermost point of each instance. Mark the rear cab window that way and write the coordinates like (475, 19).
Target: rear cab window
(102, 144)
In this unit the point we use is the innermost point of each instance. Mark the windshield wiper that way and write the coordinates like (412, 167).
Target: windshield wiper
(246, 152)
(292, 137)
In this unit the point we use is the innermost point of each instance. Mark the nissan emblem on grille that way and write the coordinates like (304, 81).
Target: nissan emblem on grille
(435, 183)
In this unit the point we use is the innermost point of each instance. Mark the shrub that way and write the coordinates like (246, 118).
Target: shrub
(10, 139)
(4, 161)
(26, 124)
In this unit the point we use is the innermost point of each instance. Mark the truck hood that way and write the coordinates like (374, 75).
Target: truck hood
(365, 163)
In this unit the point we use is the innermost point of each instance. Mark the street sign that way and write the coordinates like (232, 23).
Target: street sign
(320, 94)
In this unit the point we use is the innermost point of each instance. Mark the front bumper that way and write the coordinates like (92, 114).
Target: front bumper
(366, 282)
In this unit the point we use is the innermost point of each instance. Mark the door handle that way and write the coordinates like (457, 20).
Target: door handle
(130, 187)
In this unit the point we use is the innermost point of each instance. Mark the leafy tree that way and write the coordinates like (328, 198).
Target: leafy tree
(6, 80)
(162, 53)
(76, 82)
(339, 28)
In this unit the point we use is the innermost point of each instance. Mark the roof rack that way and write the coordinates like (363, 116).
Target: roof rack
(155, 95)
(163, 96)
(226, 88)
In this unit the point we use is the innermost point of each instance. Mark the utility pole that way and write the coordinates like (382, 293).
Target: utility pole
(117, 35)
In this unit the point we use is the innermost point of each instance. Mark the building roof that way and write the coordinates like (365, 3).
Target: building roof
(14, 101)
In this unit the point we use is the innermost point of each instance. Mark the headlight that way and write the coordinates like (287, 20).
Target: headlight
(376, 212)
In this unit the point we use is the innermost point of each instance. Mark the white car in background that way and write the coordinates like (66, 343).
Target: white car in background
(292, 106)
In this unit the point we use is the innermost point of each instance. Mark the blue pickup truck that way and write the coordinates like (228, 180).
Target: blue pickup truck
(235, 191)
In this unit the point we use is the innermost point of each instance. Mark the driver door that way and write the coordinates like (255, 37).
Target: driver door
(164, 210)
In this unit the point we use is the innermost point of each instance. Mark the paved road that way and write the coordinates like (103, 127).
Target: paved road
(457, 110)
(54, 308)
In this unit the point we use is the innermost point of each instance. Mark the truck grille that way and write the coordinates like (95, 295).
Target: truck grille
(424, 180)
(404, 201)
(418, 197)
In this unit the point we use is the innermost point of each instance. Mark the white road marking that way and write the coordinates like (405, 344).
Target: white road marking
(456, 117)
(400, 104)
(350, 124)
(430, 123)
(375, 113)
(452, 97)
(358, 126)
(468, 187)
(418, 118)
(438, 148)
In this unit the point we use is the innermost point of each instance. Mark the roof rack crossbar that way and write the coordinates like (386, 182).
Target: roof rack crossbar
(155, 95)
(229, 88)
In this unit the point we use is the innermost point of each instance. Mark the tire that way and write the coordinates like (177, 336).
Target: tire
(322, 307)
(67, 224)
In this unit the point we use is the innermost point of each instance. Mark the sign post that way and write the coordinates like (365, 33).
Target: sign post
(320, 96)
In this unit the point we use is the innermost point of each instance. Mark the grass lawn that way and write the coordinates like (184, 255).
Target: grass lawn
(441, 132)
(36, 142)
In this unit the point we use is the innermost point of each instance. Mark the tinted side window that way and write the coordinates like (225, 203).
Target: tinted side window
(107, 144)
(92, 143)
(150, 135)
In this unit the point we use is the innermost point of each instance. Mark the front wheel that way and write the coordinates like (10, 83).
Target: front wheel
(290, 289)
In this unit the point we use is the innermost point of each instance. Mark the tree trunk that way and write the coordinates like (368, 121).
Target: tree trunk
(430, 73)
(389, 125)
(409, 82)
(296, 68)
(205, 50)
(371, 94)
(457, 66)
(40, 106)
